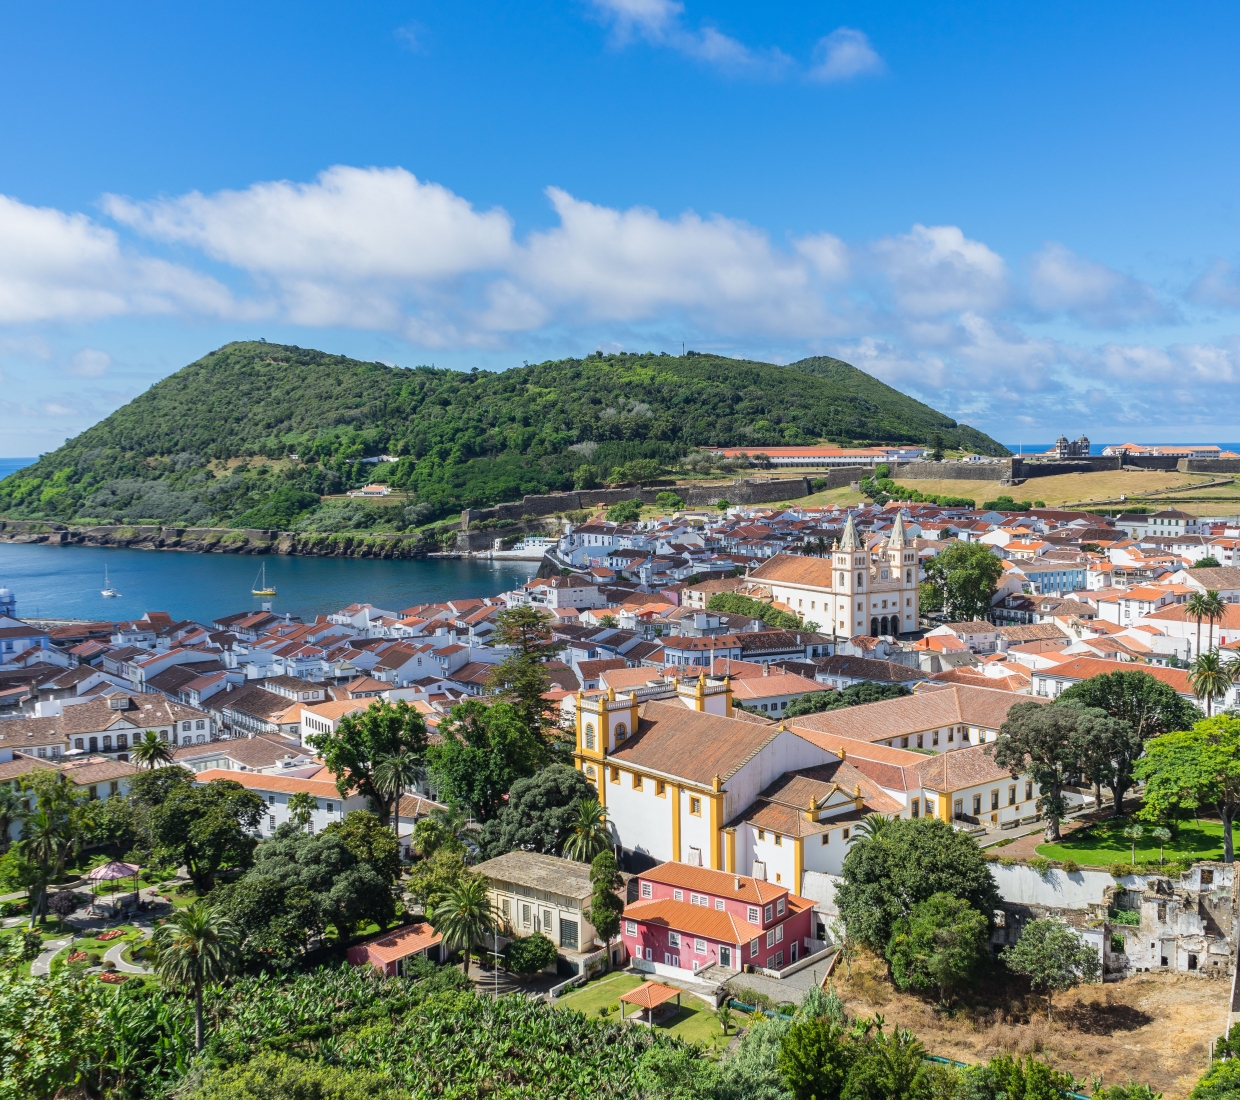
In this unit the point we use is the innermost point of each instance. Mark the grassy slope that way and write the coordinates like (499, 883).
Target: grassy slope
(1063, 488)
(469, 438)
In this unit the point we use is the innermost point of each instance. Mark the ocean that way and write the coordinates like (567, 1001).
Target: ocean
(56, 582)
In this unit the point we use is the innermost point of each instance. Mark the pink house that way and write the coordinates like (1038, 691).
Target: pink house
(387, 953)
(687, 918)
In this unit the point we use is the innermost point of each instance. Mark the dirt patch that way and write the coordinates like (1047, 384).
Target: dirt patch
(1154, 1028)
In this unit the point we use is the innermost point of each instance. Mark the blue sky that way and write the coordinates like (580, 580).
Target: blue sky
(1024, 216)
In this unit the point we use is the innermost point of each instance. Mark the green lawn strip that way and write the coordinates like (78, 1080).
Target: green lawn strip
(606, 990)
(694, 1023)
(93, 943)
(1104, 844)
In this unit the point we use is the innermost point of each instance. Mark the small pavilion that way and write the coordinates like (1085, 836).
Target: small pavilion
(647, 998)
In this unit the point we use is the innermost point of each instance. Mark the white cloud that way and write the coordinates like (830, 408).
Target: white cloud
(55, 266)
(827, 254)
(661, 23)
(1062, 282)
(937, 269)
(88, 363)
(632, 265)
(1218, 286)
(843, 54)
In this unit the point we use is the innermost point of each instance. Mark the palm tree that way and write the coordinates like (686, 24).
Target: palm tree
(1161, 834)
(1134, 833)
(1214, 609)
(301, 807)
(12, 810)
(393, 775)
(463, 915)
(725, 1016)
(196, 947)
(590, 832)
(1195, 608)
(871, 825)
(1210, 678)
(48, 838)
(151, 751)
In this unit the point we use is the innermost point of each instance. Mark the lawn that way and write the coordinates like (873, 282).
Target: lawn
(92, 943)
(1103, 844)
(695, 1023)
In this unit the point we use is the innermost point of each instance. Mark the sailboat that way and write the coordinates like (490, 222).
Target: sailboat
(107, 589)
(260, 583)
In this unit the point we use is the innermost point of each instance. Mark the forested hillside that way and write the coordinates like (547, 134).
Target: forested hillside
(210, 444)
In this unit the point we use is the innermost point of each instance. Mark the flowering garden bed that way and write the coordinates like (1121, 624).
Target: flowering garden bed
(116, 933)
(112, 978)
(76, 956)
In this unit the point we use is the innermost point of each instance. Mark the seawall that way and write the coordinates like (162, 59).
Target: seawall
(218, 540)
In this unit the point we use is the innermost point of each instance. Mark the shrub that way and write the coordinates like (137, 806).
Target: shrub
(1040, 864)
(530, 954)
(1119, 870)
(751, 997)
(1070, 865)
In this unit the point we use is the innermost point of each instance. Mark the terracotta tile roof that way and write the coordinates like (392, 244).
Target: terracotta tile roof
(705, 880)
(689, 744)
(97, 771)
(255, 781)
(337, 708)
(696, 920)
(778, 683)
(591, 670)
(540, 871)
(650, 994)
(402, 943)
(1176, 613)
(795, 569)
(986, 708)
(1031, 632)
(794, 790)
(952, 771)
(1082, 668)
(628, 679)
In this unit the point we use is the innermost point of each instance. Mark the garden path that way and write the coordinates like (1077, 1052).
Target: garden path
(41, 966)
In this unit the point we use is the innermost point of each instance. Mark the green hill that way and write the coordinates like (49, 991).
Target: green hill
(209, 444)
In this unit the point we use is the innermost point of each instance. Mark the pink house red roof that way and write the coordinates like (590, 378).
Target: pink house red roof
(402, 943)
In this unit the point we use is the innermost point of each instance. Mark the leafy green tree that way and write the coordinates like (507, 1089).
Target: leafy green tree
(529, 954)
(151, 751)
(589, 832)
(1047, 743)
(208, 827)
(812, 702)
(51, 834)
(909, 861)
(942, 944)
(731, 603)
(626, 511)
(301, 807)
(1205, 563)
(888, 1067)
(195, 947)
(538, 812)
(273, 917)
(463, 915)
(364, 835)
(814, 1059)
(966, 576)
(521, 676)
(606, 905)
(752, 1071)
(361, 741)
(1149, 707)
(485, 749)
(432, 878)
(1053, 957)
(270, 1076)
(395, 774)
(669, 502)
(151, 788)
(1220, 1082)
(1190, 769)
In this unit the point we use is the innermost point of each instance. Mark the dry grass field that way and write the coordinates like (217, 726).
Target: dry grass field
(1066, 488)
(1154, 1028)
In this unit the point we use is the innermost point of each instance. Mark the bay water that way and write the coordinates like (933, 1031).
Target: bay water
(64, 582)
